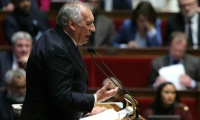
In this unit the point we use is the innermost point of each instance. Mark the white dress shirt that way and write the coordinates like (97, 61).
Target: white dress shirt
(194, 29)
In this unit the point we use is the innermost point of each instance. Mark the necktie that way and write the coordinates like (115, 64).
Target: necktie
(175, 62)
(190, 39)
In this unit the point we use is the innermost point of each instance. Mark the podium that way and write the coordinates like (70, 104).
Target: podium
(109, 105)
(114, 105)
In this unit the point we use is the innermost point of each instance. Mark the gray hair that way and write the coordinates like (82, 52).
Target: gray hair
(14, 73)
(20, 35)
(177, 34)
(70, 10)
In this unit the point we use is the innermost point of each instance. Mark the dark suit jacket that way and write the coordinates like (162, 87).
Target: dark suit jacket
(177, 23)
(36, 21)
(119, 4)
(56, 80)
(6, 110)
(190, 63)
(6, 60)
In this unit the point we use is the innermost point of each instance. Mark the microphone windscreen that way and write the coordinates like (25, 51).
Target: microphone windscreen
(89, 50)
(93, 50)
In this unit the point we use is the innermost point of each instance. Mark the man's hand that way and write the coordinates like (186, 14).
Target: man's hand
(160, 80)
(97, 110)
(22, 61)
(132, 44)
(103, 94)
(185, 80)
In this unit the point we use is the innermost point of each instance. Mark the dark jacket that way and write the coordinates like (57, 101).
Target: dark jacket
(56, 80)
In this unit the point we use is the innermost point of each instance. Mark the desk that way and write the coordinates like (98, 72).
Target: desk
(148, 94)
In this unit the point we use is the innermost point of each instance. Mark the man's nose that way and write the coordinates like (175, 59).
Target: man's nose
(93, 29)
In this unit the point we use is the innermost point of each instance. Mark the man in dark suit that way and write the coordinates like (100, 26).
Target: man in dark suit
(177, 48)
(56, 74)
(187, 21)
(105, 30)
(17, 58)
(14, 93)
(25, 18)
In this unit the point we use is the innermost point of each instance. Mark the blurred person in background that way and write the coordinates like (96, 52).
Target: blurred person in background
(17, 58)
(161, 5)
(167, 103)
(25, 18)
(117, 96)
(105, 30)
(14, 93)
(142, 30)
(177, 55)
(186, 21)
(7, 5)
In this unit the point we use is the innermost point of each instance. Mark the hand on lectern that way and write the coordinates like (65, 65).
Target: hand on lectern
(102, 94)
(97, 110)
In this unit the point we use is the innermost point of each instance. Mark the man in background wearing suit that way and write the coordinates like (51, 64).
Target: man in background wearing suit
(57, 77)
(14, 93)
(186, 21)
(105, 30)
(177, 49)
(25, 18)
(17, 58)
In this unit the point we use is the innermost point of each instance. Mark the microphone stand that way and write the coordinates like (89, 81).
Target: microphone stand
(128, 98)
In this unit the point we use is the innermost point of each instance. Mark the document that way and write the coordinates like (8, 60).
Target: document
(171, 73)
(109, 114)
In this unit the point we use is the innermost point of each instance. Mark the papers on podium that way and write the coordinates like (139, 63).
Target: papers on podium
(171, 73)
(110, 114)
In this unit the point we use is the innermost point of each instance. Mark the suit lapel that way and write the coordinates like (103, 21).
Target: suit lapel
(73, 49)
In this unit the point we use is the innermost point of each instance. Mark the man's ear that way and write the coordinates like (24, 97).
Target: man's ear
(72, 24)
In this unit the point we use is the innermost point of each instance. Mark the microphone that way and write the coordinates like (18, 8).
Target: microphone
(90, 51)
(128, 97)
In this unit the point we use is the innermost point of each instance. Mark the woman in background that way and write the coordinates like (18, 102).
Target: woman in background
(144, 29)
(167, 103)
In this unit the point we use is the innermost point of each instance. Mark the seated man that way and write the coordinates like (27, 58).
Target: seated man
(14, 93)
(177, 49)
(105, 30)
(25, 18)
(17, 58)
(186, 21)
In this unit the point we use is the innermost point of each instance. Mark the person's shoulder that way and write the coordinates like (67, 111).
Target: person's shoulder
(182, 106)
(41, 12)
(10, 17)
(127, 22)
(161, 58)
(5, 53)
(191, 57)
(176, 17)
(158, 21)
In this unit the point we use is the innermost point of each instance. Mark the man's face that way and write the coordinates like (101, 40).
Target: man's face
(85, 28)
(188, 7)
(177, 49)
(95, 4)
(23, 5)
(17, 88)
(22, 47)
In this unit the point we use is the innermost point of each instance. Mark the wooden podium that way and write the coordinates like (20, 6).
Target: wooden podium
(115, 107)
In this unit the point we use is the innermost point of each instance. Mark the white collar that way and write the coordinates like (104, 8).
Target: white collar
(194, 19)
(71, 38)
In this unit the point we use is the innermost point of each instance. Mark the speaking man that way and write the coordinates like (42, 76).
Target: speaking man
(56, 74)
